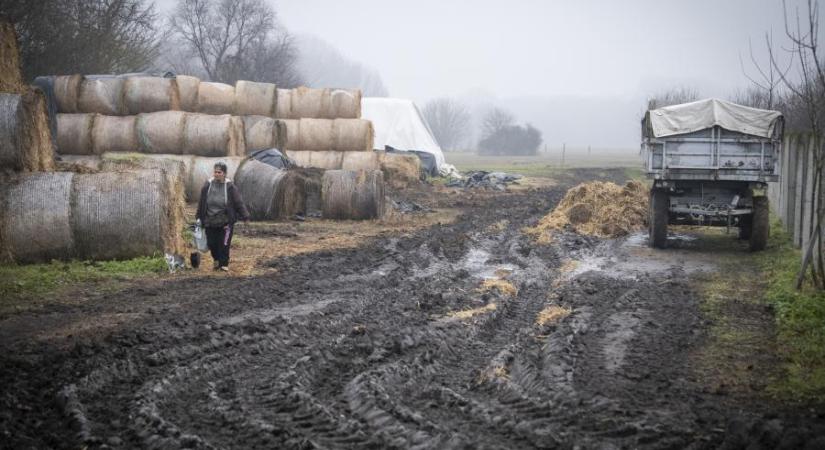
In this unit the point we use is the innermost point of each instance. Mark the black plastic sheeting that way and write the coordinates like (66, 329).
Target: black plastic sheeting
(274, 158)
(428, 165)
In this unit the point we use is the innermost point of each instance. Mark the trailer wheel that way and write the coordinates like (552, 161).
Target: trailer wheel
(745, 227)
(760, 225)
(659, 205)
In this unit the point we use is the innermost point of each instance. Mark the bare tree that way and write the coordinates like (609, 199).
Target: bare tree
(323, 65)
(449, 121)
(769, 78)
(495, 120)
(235, 39)
(673, 96)
(84, 36)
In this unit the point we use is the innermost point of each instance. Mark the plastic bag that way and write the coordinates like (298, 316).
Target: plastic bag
(199, 235)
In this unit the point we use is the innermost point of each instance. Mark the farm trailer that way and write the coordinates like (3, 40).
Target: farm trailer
(710, 162)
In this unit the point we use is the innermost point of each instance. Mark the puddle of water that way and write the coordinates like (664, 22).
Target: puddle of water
(268, 315)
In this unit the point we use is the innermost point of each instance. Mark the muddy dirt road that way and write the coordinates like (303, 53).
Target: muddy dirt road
(397, 344)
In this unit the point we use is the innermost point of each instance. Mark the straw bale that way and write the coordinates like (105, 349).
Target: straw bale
(188, 89)
(216, 98)
(66, 92)
(320, 160)
(151, 94)
(255, 99)
(11, 78)
(74, 134)
(361, 160)
(400, 169)
(35, 217)
(316, 134)
(310, 103)
(208, 135)
(161, 132)
(352, 135)
(201, 171)
(78, 163)
(283, 103)
(345, 104)
(103, 95)
(260, 186)
(600, 209)
(25, 139)
(349, 194)
(114, 134)
(292, 139)
(260, 133)
(120, 215)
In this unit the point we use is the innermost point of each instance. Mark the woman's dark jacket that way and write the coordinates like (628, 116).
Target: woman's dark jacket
(235, 208)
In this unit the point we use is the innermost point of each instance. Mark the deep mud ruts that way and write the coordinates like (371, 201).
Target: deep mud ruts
(355, 349)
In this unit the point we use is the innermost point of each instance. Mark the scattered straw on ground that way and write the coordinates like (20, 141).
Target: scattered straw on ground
(469, 313)
(552, 314)
(504, 287)
(494, 374)
(598, 208)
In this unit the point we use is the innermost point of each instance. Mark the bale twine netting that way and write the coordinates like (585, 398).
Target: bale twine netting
(161, 132)
(11, 78)
(271, 193)
(347, 194)
(74, 134)
(261, 133)
(202, 170)
(151, 94)
(114, 134)
(66, 91)
(102, 95)
(215, 98)
(313, 103)
(207, 135)
(176, 168)
(25, 138)
(64, 215)
(255, 99)
(329, 134)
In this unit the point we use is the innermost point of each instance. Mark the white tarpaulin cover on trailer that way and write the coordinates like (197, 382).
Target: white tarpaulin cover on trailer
(695, 116)
(399, 124)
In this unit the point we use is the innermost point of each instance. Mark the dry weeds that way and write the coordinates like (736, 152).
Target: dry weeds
(504, 287)
(552, 314)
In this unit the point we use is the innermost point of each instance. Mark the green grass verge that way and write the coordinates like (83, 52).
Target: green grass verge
(800, 319)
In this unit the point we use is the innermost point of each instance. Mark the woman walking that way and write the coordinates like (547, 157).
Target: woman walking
(219, 208)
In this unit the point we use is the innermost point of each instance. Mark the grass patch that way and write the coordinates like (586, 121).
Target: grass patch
(23, 283)
(800, 319)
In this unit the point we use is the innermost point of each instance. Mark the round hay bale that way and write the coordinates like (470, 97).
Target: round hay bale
(151, 94)
(201, 171)
(579, 213)
(255, 99)
(161, 132)
(315, 134)
(25, 139)
(259, 185)
(399, 169)
(11, 78)
(260, 133)
(216, 98)
(35, 217)
(121, 215)
(327, 160)
(102, 95)
(310, 103)
(283, 103)
(345, 104)
(292, 138)
(66, 92)
(188, 90)
(352, 135)
(114, 134)
(74, 134)
(281, 133)
(349, 194)
(360, 161)
(207, 135)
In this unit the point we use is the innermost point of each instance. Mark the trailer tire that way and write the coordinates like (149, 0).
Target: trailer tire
(745, 227)
(760, 225)
(659, 205)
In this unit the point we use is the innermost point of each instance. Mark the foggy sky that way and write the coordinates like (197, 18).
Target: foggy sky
(556, 53)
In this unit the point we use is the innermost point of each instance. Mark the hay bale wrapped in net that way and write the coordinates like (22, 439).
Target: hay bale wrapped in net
(25, 139)
(201, 171)
(120, 215)
(74, 134)
(262, 133)
(292, 139)
(161, 132)
(361, 161)
(327, 160)
(208, 135)
(188, 91)
(102, 95)
(255, 99)
(35, 217)
(114, 134)
(151, 94)
(315, 134)
(352, 135)
(400, 169)
(345, 104)
(216, 98)
(283, 103)
(270, 193)
(11, 78)
(347, 194)
(66, 92)
(310, 103)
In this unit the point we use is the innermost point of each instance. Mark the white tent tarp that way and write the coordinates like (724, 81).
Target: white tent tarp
(399, 124)
(695, 116)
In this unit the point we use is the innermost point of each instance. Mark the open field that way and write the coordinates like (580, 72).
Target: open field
(546, 164)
